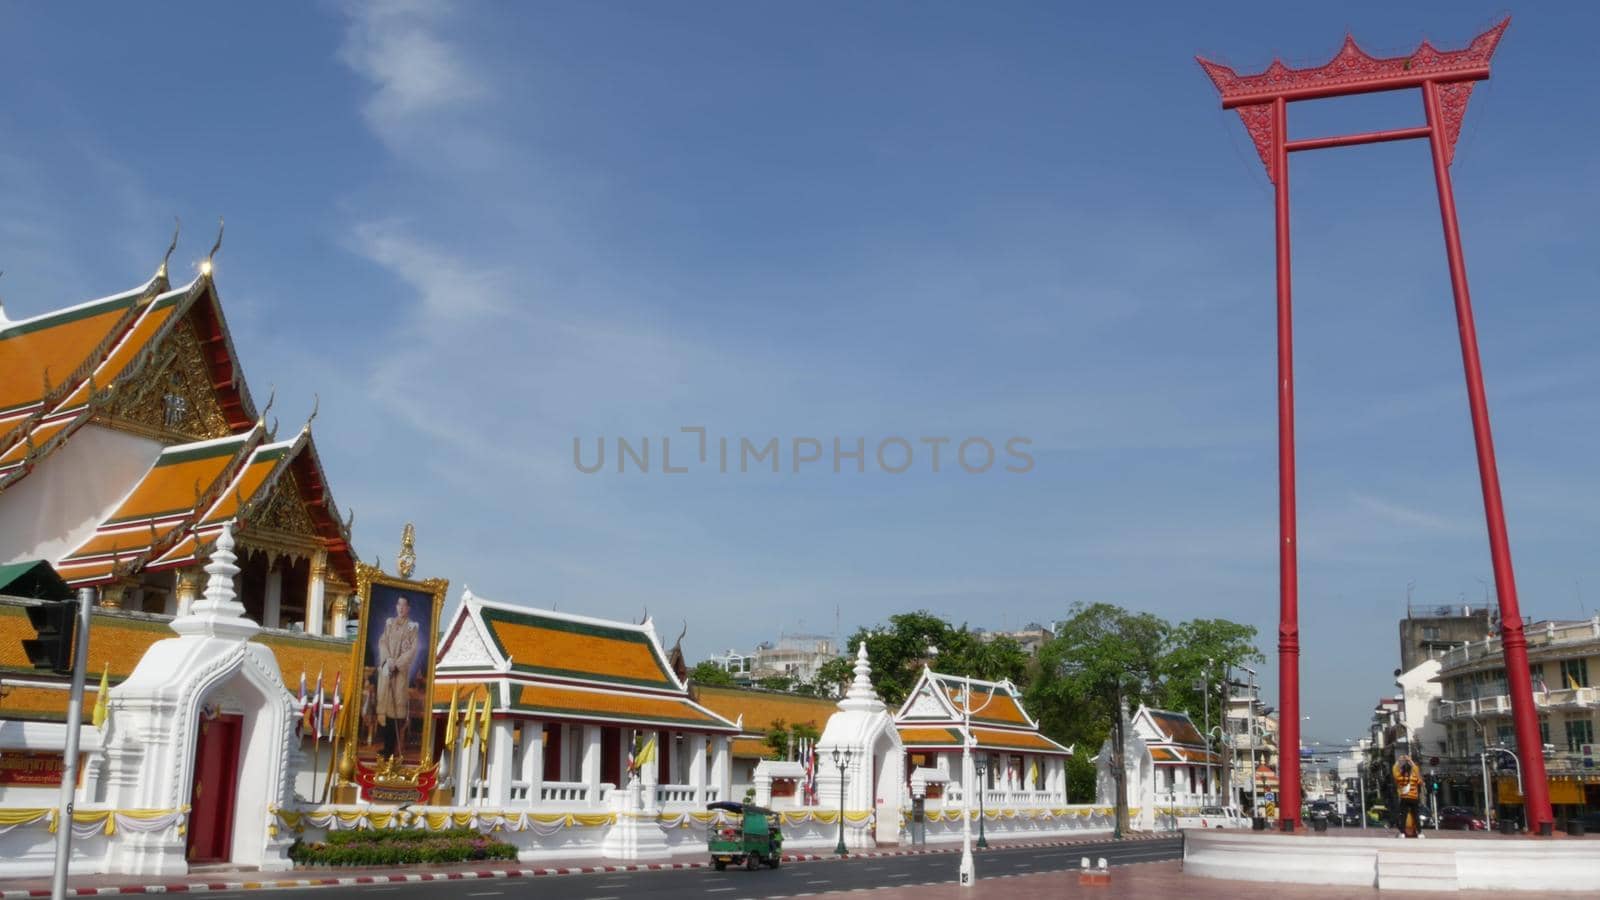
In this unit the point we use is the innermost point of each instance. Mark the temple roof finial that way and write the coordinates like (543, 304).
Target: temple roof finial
(177, 225)
(205, 265)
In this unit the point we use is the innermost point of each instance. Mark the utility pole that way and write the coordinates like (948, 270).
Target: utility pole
(69, 769)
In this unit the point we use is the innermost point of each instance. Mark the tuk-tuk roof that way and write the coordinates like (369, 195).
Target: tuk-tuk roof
(735, 806)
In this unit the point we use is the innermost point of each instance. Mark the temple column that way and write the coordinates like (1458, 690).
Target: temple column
(272, 605)
(501, 746)
(339, 615)
(697, 768)
(316, 590)
(187, 589)
(722, 767)
(592, 749)
(531, 770)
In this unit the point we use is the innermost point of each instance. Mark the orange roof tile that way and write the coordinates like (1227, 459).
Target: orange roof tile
(1178, 727)
(747, 748)
(1002, 710)
(170, 485)
(577, 703)
(761, 708)
(55, 345)
(547, 644)
(41, 435)
(130, 346)
(993, 738)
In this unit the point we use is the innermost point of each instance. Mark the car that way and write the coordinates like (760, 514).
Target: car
(1352, 819)
(1321, 809)
(1214, 817)
(1459, 818)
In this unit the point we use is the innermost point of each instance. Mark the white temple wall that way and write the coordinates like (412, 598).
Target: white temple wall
(62, 501)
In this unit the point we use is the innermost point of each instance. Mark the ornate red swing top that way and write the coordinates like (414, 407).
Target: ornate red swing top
(1354, 71)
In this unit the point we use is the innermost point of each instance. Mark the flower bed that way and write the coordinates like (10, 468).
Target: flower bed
(400, 846)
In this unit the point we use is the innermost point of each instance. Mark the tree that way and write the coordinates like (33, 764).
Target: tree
(900, 650)
(775, 683)
(1098, 650)
(833, 677)
(1199, 653)
(782, 737)
(709, 674)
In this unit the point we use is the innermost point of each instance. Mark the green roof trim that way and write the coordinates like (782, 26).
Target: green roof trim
(109, 304)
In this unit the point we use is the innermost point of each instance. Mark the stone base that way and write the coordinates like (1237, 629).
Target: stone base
(1384, 861)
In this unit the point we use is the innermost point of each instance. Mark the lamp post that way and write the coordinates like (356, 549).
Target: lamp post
(842, 760)
(980, 768)
(968, 869)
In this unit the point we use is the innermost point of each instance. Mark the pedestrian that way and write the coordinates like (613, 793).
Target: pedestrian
(1408, 790)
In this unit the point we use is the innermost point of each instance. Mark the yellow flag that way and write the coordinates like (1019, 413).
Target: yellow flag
(1033, 774)
(450, 720)
(102, 700)
(1572, 682)
(647, 753)
(467, 731)
(483, 721)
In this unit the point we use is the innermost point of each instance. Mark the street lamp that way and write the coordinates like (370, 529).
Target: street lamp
(980, 768)
(842, 760)
(968, 741)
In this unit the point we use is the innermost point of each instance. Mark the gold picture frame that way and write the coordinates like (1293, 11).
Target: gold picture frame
(371, 582)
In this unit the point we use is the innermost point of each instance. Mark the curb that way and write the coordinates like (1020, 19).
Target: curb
(203, 887)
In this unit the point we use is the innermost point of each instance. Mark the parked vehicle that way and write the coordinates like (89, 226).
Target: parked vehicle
(1352, 819)
(1214, 817)
(1459, 818)
(752, 840)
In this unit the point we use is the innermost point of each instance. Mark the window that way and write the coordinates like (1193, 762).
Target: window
(1536, 675)
(1505, 735)
(1579, 732)
(1574, 673)
(1544, 731)
(1430, 632)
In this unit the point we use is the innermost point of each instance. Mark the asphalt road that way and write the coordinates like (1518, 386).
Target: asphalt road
(791, 880)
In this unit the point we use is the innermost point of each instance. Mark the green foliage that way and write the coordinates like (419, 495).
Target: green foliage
(900, 649)
(1081, 777)
(781, 736)
(776, 683)
(1101, 649)
(368, 847)
(833, 677)
(710, 674)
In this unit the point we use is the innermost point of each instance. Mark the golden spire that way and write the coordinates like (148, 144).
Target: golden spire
(177, 225)
(406, 562)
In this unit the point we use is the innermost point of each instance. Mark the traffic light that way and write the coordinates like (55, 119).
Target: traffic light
(56, 623)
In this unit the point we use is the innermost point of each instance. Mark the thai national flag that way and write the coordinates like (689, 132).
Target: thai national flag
(338, 702)
(808, 793)
(316, 709)
(305, 711)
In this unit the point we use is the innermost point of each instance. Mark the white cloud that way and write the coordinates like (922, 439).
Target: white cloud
(416, 73)
(446, 285)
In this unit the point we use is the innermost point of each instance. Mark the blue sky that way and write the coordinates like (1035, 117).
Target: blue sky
(482, 231)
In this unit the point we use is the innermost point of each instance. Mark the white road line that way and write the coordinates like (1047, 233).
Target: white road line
(486, 893)
(900, 875)
(718, 890)
(822, 881)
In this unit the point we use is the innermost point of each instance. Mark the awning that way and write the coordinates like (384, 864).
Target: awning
(34, 579)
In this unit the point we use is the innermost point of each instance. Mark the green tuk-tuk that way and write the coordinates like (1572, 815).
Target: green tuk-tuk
(753, 839)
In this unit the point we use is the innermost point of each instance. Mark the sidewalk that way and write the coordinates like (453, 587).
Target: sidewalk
(1162, 879)
(222, 879)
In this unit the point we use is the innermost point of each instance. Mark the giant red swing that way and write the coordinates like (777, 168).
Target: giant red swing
(1445, 79)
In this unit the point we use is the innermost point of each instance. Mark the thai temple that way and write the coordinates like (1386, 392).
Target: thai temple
(135, 464)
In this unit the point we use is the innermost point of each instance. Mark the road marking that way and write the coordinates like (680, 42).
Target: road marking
(717, 890)
(824, 881)
(900, 875)
(486, 893)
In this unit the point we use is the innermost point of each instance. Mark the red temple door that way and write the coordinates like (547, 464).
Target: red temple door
(216, 781)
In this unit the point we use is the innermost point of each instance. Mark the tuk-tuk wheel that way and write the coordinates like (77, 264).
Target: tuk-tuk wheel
(774, 860)
(719, 865)
(752, 862)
